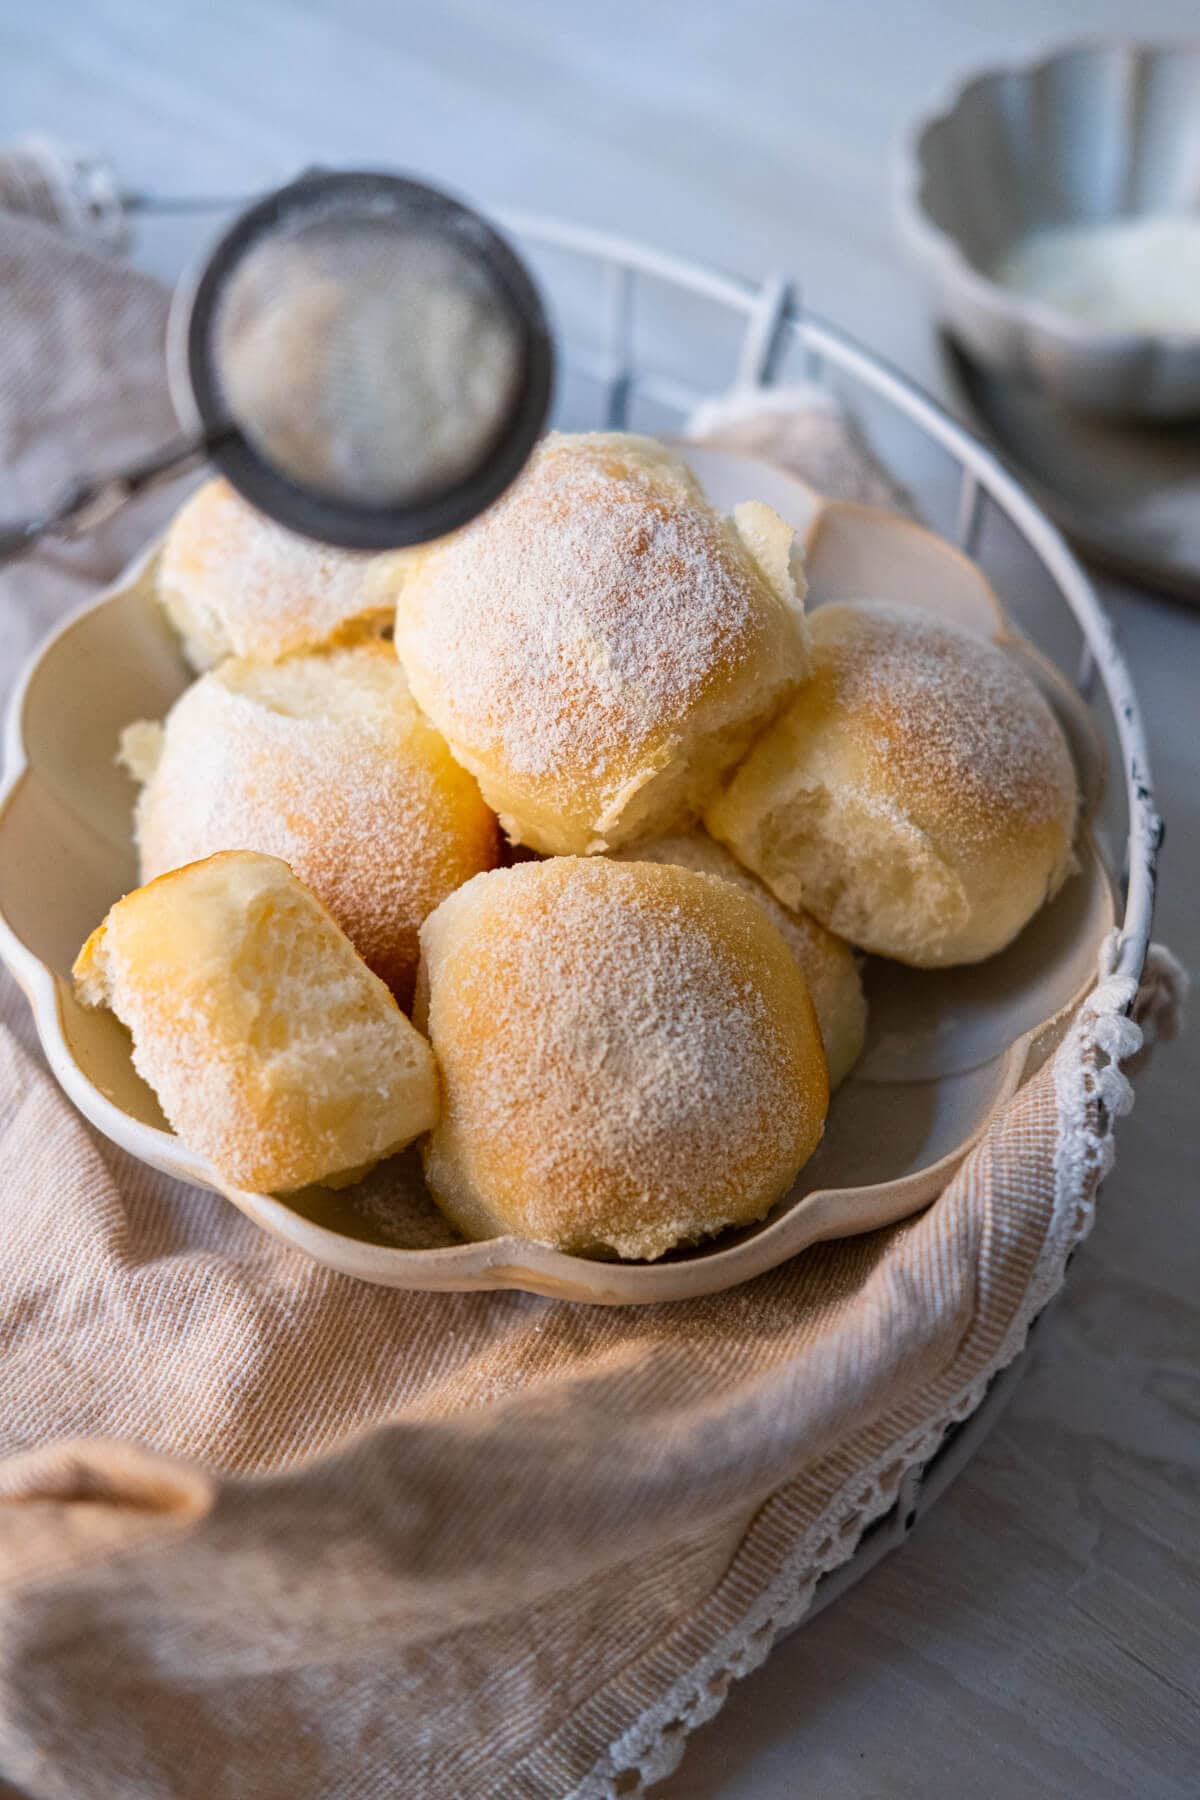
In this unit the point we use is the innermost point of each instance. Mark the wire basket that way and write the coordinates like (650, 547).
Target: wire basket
(647, 337)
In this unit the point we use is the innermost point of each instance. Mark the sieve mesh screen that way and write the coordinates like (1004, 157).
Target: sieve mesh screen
(365, 356)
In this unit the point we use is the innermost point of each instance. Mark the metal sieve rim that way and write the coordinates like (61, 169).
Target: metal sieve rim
(196, 390)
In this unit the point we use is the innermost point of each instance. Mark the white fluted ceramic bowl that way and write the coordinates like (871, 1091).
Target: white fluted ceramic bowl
(1091, 132)
(945, 1049)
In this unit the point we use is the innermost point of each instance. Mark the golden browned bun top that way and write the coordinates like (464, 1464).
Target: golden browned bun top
(235, 583)
(943, 718)
(570, 641)
(325, 761)
(829, 965)
(917, 794)
(629, 1055)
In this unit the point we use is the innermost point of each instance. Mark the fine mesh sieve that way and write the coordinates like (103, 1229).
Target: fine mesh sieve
(362, 356)
(366, 358)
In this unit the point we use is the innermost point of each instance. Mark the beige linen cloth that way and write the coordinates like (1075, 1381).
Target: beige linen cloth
(266, 1531)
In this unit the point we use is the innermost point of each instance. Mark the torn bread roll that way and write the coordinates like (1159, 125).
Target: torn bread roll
(917, 796)
(273, 1050)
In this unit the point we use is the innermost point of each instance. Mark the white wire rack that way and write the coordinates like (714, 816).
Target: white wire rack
(595, 287)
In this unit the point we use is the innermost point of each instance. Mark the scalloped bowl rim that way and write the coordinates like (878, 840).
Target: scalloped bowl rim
(943, 246)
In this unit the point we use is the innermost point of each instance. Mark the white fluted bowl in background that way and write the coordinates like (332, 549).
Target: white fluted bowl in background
(1092, 132)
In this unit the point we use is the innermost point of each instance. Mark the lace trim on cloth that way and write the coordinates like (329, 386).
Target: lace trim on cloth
(1119, 1020)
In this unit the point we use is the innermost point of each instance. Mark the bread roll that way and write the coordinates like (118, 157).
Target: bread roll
(918, 795)
(599, 646)
(829, 965)
(326, 762)
(236, 584)
(629, 1056)
(272, 1048)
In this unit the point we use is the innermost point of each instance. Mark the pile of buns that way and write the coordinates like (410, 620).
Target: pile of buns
(554, 845)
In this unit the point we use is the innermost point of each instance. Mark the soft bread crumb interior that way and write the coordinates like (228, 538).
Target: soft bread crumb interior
(272, 1048)
(141, 748)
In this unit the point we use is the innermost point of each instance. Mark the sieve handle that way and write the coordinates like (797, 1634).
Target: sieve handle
(93, 501)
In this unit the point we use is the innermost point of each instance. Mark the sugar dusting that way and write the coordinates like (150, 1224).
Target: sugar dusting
(326, 763)
(271, 1049)
(583, 615)
(950, 720)
(371, 363)
(827, 961)
(235, 582)
(613, 1039)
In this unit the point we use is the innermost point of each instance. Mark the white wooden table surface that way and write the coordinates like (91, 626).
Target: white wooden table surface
(1040, 1633)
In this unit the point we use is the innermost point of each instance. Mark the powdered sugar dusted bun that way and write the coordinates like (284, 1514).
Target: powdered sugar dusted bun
(326, 762)
(235, 583)
(829, 965)
(628, 1053)
(599, 646)
(272, 1048)
(918, 796)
